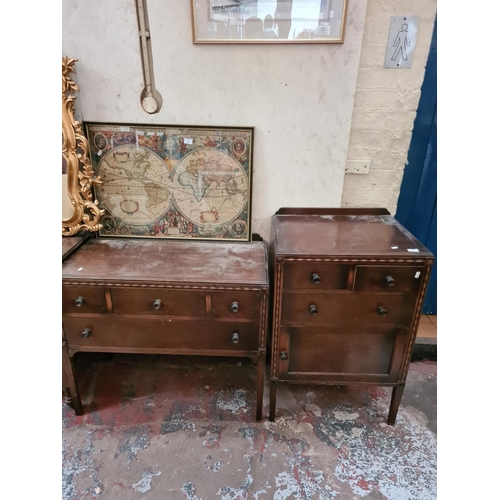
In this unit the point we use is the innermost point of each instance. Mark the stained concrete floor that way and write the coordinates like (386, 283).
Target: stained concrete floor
(180, 428)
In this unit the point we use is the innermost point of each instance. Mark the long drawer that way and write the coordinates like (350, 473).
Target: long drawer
(109, 332)
(347, 308)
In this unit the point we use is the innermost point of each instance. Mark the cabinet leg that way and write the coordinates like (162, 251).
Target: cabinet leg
(67, 397)
(261, 366)
(397, 393)
(272, 400)
(71, 393)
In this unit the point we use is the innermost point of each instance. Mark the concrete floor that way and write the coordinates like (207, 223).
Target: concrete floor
(180, 428)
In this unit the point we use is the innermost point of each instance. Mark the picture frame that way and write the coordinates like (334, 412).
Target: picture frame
(268, 21)
(176, 182)
(80, 212)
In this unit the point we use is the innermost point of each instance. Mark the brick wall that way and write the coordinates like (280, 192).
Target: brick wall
(385, 105)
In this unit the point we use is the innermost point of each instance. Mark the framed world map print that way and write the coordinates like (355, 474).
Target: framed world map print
(176, 182)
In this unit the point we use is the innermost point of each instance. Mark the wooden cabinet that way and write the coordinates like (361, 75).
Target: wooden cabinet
(348, 292)
(159, 297)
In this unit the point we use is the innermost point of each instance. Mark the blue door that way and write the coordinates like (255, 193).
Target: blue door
(417, 203)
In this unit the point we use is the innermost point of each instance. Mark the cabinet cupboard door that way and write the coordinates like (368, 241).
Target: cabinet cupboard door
(317, 353)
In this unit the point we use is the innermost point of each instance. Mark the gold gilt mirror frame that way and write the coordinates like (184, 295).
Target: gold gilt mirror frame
(80, 211)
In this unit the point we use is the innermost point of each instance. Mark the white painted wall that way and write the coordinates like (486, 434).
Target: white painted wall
(299, 98)
(385, 105)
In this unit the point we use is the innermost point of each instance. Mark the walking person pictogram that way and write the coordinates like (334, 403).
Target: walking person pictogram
(402, 42)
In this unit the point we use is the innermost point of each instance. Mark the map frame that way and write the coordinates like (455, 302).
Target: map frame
(178, 182)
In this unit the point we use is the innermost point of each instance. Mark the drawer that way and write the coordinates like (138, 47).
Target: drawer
(158, 301)
(109, 332)
(393, 279)
(347, 309)
(315, 276)
(236, 304)
(347, 351)
(83, 299)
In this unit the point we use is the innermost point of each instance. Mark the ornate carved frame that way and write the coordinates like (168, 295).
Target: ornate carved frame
(86, 214)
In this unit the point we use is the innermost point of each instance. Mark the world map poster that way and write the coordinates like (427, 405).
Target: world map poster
(172, 181)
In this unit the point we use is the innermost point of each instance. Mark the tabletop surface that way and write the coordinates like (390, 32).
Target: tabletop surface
(168, 261)
(71, 243)
(342, 235)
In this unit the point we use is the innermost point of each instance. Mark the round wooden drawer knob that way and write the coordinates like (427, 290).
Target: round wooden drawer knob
(382, 310)
(86, 333)
(313, 309)
(315, 278)
(79, 301)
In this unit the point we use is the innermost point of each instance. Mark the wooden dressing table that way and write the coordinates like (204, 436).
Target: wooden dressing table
(165, 297)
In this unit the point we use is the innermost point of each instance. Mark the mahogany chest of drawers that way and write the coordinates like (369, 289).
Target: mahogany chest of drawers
(348, 292)
(159, 297)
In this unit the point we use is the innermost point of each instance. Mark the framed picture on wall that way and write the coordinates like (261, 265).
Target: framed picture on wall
(268, 21)
(175, 182)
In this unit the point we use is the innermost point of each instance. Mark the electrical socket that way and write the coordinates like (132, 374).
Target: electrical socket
(357, 166)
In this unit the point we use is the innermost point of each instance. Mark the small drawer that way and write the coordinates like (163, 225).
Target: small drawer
(158, 301)
(237, 304)
(315, 276)
(83, 299)
(110, 333)
(347, 309)
(388, 279)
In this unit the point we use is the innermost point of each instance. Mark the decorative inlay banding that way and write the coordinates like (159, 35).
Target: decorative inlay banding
(109, 301)
(174, 287)
(277, 316)
(263, 321)
(208, 299)
(413, 331)
(353, 260)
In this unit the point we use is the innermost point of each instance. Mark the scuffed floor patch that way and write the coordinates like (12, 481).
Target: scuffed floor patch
(235, 402)
(166, 428)
(145, 483)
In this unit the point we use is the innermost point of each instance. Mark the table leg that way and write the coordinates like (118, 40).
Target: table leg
(272, 400)
(397, 393)
(71, 393)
